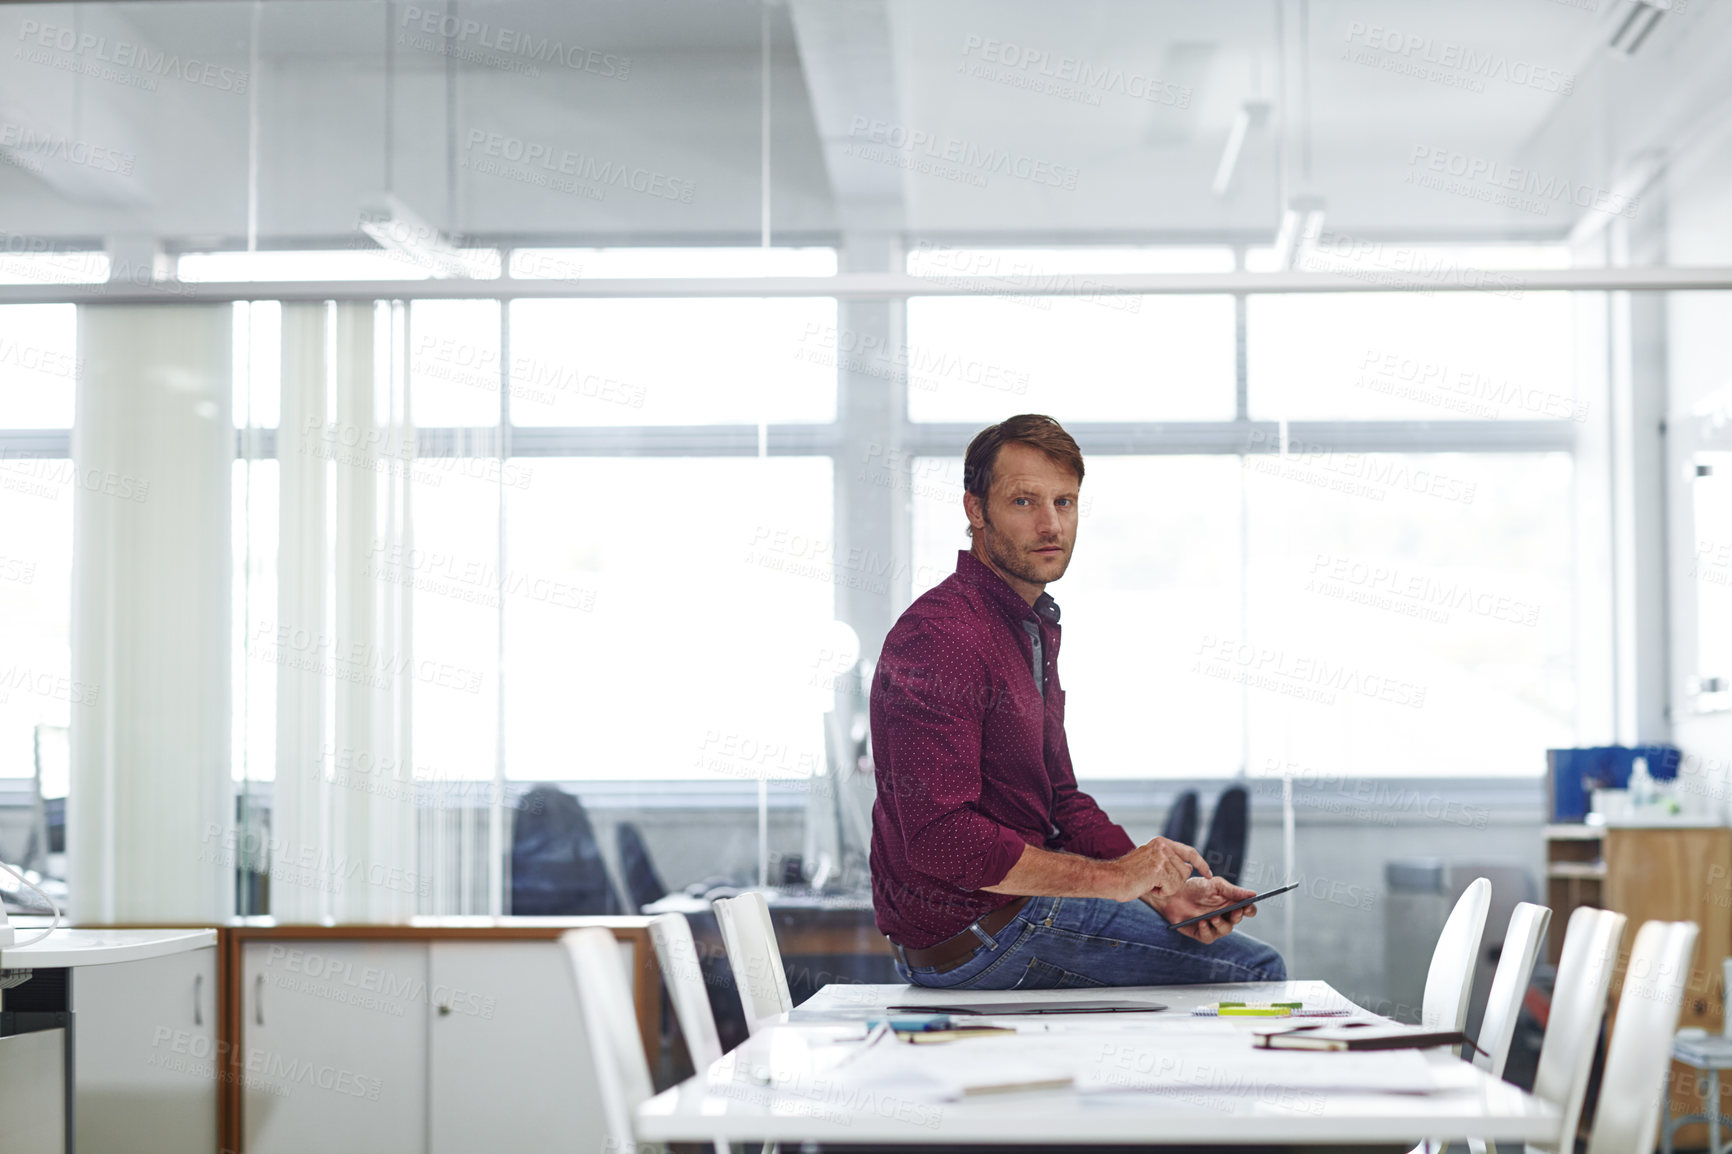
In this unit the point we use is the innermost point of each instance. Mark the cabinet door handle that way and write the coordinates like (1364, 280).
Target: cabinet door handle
(259, 1000)
(197, 999)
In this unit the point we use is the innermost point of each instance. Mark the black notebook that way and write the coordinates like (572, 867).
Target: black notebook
(1007, 1008)
(1358, 1037)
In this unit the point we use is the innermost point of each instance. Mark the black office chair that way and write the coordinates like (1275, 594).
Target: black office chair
(1182, 819)
(556, 862)
(1229, 829)
(642, 884)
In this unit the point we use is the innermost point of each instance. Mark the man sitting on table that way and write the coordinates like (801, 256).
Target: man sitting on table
(990, 868)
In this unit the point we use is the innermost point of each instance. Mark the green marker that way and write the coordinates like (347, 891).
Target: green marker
(1253, 1012)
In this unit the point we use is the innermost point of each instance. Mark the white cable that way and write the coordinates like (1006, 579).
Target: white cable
(54, 925)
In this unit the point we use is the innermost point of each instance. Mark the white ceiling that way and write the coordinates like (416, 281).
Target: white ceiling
(126, 150)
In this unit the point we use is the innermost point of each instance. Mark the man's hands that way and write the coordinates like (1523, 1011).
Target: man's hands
(1158, 868)
(1159, 872)
(1199, 896)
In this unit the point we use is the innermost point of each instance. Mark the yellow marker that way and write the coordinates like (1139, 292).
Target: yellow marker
(1254, 1012)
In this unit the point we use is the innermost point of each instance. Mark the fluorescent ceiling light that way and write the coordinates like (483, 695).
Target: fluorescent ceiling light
(399, 230)
(1251, 115)
(1301, 225)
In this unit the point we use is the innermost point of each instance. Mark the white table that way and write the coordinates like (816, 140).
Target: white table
(1710, 1053)
(777, 1087)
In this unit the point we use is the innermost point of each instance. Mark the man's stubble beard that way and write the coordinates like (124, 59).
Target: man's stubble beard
(1012, 562)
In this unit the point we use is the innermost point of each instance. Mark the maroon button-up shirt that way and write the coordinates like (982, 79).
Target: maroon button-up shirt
(971, 759)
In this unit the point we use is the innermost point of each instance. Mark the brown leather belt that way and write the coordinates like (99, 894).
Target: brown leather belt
(953, 951)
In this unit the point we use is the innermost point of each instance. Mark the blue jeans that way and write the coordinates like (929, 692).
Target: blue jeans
(1065, 943)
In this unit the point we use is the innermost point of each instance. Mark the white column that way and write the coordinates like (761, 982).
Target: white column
(151, 804)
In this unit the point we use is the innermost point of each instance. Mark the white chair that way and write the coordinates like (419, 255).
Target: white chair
(1638, 1059)
(1573, 1028)
(683, 973)
(615, 1045)
(754, 958)
(1509, 985)
(1449, 982)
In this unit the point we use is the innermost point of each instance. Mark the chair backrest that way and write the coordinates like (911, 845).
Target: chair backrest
(643, 884)
(682, 971)
(1449, 982)
(1573, 1026)
(1638, 1059)
(754, 958)
(1509, 985)
(604, 997)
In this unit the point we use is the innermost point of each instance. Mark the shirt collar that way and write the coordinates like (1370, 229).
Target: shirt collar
(977, 573)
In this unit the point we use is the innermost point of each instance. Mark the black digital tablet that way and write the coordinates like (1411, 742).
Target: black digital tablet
(1227, 909)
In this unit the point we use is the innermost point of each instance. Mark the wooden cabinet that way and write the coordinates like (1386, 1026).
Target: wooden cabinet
(146, 1055)
(1677, 874)
(1575, 876)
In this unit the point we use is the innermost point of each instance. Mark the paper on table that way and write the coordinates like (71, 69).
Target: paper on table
(945, 1073)
(1195, 1064)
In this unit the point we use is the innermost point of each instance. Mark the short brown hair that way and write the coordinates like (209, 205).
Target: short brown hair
(1033, 429)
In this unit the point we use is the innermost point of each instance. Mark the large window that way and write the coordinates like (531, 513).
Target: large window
(1319, 534)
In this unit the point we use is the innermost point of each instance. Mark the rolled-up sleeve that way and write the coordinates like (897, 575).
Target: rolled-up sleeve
(929, 706)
